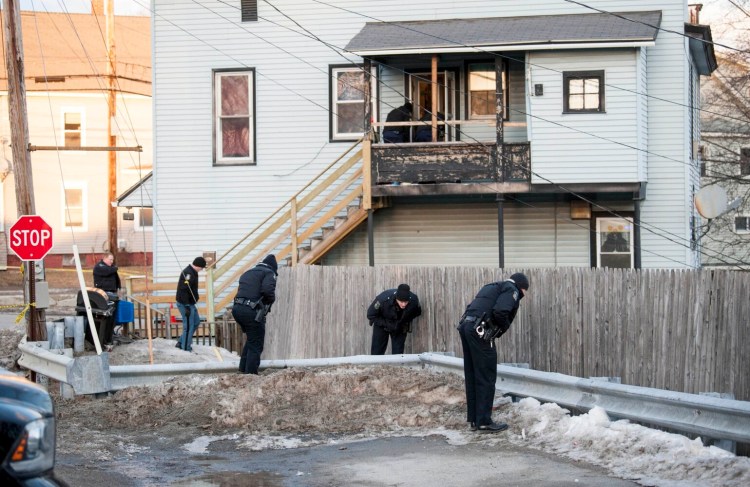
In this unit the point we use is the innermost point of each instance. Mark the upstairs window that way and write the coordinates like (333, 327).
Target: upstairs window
(234, 123)
(745, 161)
(249, 9)
(348, 103)
(583, 91)
(482, 89)
(74, 205)
(73, 128)
(742, 224)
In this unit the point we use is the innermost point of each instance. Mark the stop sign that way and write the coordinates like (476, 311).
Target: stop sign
(30, 237)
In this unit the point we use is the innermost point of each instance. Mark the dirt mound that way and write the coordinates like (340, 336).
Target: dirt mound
(9, 353)
(344, 399)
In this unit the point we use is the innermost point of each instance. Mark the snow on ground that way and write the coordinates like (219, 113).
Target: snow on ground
(295, 407)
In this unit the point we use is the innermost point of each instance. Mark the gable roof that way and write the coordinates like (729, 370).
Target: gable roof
(138, 195)
(540, 32)
(69, 51)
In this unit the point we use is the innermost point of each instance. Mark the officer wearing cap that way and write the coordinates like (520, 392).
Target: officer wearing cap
(187, 296)
(390, 315)
(487, 317)
(255, 295)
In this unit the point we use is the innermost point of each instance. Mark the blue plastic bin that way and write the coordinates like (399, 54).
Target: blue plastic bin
(124, 312)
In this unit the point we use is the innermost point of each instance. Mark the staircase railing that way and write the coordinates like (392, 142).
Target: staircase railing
(297, 219)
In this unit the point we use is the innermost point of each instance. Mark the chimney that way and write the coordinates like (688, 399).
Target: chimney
(694, 10)
(97, 7)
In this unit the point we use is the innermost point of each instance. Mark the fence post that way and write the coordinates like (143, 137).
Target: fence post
(210, 298)
(293, 229)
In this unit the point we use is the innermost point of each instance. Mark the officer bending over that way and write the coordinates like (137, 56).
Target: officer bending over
(390, 315)
(487, 317)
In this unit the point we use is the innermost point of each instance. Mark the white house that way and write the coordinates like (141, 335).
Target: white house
(66, 81)
(570, 134)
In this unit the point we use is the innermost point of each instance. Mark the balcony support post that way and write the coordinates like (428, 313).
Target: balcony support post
(501, 230)
(499, 114)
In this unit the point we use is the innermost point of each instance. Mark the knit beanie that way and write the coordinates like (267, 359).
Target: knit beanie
(200, 262)
(522, 282)
(270, 261)
(403, 293)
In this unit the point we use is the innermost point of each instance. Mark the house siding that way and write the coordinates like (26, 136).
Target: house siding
(203, 207)
(556, 151)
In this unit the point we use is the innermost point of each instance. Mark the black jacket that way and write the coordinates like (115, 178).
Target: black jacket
(106, 277)
(400, 114)
(258, 283)
(499, 300)
(384, 312)
(187, 286)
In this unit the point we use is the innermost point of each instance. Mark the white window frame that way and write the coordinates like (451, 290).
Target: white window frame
(504, 74)
(747, 225)
(138, 218)
(82, 112)
(335, 134)
(600, 228)
(70, 185)
(220, 160)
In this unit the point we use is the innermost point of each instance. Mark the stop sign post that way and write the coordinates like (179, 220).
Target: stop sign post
(30, 238)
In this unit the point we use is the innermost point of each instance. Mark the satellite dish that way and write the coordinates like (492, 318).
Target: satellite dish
(711, 201)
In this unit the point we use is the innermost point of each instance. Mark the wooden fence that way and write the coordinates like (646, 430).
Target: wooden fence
(679, 330)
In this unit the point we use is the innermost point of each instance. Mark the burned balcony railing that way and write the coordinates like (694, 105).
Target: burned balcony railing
(450, 162)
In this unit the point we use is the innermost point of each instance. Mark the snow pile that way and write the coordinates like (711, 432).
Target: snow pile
(9, 353)
(628, 450)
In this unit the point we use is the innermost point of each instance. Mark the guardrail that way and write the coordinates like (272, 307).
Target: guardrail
(709, 417)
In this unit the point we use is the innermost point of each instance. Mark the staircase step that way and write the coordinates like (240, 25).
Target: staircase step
(315, 241)
(327, 231)
(301, 251)
(339, 220)
(351, 209)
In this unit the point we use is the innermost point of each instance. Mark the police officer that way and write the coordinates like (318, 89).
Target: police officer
(255, 295)
(106, 277)
(390, 315)
(487, 317)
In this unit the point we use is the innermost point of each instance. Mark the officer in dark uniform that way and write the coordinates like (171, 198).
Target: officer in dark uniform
(487, 317)
(255, 295)
(106, 277)
(390, 315)
(185, 298)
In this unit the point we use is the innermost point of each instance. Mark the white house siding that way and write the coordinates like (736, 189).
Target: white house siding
(665, 234)
(540, 235)
(52, 169)
(202, 207)
(584, 147)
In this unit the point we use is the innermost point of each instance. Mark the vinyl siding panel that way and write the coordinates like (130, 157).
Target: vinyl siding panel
(585, 147)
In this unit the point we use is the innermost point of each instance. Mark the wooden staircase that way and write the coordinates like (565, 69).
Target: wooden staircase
(300, 231)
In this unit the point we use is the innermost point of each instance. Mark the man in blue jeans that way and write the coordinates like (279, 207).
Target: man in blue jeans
(187, 296)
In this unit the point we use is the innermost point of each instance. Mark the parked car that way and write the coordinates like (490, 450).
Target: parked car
(27, 434)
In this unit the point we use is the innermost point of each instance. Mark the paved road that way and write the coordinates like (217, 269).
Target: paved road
(408, 461)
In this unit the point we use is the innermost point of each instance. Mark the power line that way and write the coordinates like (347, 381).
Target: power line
(655, 26)
(739, 8)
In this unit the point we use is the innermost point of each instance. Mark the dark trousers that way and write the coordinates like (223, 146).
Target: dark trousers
(255, 334)
(480, 374)
(380, 341)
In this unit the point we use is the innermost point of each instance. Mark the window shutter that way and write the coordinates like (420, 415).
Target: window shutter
(249, 10)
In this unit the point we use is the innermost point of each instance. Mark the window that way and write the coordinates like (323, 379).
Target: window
(144, 219)
(249, 10)
(73, 128)
(74, 205)
(348, 103)
(482, 88)
(614, 242)
(583, 92)
(742, 224)
(745, 161)
(234, 126)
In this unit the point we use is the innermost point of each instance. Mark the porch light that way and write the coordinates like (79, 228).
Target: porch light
(580, 210)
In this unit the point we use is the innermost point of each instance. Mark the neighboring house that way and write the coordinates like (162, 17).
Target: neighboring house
(65, 59)
(725, 136)
(589, 112)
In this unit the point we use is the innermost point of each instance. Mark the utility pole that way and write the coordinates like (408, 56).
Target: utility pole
(111, 139)
(19, 135)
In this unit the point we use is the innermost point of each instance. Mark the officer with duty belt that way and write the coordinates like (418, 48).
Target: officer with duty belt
(487, 317)
(255, 295)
